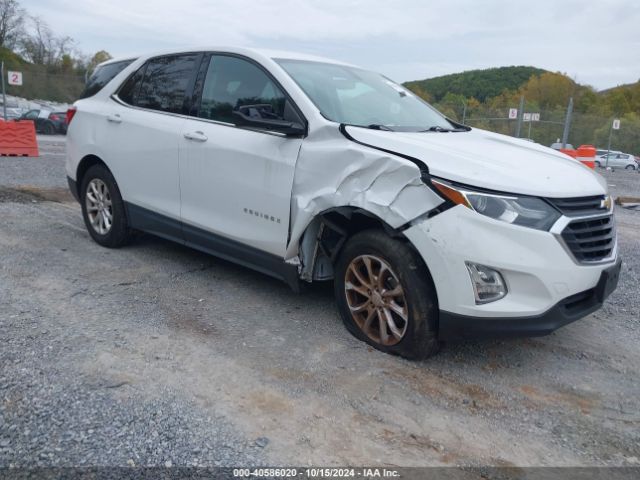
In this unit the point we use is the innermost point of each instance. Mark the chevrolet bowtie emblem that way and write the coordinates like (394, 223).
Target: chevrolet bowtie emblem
(606, 203)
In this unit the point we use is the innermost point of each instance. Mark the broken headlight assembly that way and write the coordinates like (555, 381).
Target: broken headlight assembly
(525, 211)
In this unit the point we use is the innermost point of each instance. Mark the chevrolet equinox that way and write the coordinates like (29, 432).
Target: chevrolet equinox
(308, 169)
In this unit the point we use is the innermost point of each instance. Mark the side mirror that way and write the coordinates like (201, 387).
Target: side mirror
(261, 116)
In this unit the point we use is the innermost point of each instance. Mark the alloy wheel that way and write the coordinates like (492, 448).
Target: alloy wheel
(99, 206)
(376, 299)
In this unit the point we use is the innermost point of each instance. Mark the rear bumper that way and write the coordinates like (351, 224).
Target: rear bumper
(453, 326)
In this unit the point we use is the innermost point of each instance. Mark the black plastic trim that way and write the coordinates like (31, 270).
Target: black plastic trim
(146, 220)
(453, 326)
(73, 188)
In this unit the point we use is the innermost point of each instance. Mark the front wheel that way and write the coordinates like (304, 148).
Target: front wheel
(386, 296)
(630, 167)
(103, 209)
(597, 164)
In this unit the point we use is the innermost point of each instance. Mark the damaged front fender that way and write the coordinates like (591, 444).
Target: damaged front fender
(333, 170)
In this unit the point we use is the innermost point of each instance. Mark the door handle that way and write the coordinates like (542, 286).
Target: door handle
(115, 118)
(196, 136)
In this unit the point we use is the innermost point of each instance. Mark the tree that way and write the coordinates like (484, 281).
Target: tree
(11, 23)
(98, 58)
(549, 90)
(42, 47)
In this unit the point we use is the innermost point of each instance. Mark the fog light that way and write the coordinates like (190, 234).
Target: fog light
(488, 284)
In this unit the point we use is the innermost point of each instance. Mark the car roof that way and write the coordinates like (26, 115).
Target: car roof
(256, 53)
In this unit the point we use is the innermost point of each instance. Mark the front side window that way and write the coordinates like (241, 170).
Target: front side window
(233, 84)
(164, 84)
(354, 96)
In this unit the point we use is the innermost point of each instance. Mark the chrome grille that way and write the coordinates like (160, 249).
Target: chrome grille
(580, 206)
(591, 239)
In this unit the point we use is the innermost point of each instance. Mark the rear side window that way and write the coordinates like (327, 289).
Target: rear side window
(164, 84)
(232, 83)
(102, 75)
(129, 91)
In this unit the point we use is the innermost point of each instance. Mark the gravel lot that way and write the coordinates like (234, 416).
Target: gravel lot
(156, 354)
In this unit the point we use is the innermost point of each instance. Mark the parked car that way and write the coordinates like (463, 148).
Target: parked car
(311, 170)
(47, 122)
(616, 160)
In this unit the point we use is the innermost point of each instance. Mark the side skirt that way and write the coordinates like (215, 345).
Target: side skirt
(151, 222)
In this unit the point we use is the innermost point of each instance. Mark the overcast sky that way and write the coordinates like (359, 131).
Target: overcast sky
(595, 42)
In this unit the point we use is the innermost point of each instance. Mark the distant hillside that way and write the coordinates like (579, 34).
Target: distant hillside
(480, 84)
(623, 87)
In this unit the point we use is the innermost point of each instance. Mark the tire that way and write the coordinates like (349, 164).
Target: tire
(629, 167)
(97, 181)
(414, 311)
(49, 129)
(598, 164)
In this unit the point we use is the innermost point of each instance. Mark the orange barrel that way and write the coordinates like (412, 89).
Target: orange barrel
(568, 151)
(18, 139)
(587, 155)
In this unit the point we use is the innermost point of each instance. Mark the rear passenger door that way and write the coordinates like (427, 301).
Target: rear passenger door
(236, 182)
(144, 131)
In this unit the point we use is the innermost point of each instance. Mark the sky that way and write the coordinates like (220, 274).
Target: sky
(594, 42)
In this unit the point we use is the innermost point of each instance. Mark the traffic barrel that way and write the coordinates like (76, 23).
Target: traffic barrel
(568, 151)
(587, 155)
(18, 139)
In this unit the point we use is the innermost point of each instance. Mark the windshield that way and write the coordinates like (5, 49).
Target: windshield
(359, 97)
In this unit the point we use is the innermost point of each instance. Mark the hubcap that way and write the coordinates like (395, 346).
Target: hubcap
(99, 208)
(376, 299)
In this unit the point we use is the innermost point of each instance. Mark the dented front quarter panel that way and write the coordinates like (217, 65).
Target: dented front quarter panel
(333, 171)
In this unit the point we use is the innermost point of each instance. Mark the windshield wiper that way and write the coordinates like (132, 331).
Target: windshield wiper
(375, 126)
(438, 128)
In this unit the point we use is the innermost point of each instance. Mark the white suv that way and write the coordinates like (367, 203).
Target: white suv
(307, 170)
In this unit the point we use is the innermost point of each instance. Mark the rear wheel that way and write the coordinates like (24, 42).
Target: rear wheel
(385, 295)
(630, 167)
(597, 164)
(49, 129)
(103, 209)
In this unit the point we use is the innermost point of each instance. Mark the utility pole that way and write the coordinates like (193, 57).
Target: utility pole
(567, 123)
(464, 111)
(606, 163)
(520, 115)
(4, 97)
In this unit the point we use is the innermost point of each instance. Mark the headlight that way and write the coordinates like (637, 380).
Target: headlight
(525, 211)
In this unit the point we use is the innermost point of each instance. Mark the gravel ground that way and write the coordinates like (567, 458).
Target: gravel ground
(156, 354)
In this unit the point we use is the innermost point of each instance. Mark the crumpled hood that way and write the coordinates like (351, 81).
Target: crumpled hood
(490, 160)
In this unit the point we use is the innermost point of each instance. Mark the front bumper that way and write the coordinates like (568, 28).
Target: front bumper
(547, 288)
(453, 326)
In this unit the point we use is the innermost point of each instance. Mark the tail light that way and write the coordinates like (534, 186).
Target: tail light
(70, 114)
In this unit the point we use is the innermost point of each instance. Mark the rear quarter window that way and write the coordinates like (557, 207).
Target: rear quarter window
(102, 75)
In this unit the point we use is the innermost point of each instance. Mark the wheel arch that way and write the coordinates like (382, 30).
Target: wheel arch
(84, 165)
(323, 238)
